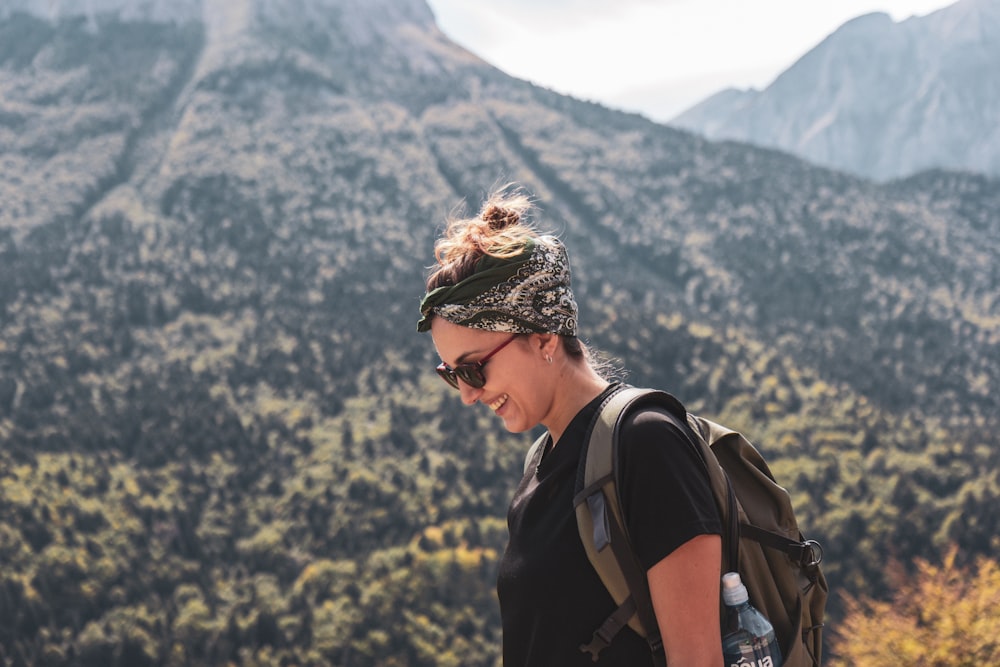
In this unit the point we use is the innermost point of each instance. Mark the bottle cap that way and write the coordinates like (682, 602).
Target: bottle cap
(733, 590)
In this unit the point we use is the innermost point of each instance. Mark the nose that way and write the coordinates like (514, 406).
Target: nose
(469, 394)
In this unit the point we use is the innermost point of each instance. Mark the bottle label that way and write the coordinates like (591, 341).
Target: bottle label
(751, 661)
(753, 652)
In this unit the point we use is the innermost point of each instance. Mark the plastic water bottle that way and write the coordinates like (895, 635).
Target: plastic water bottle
(748, 638)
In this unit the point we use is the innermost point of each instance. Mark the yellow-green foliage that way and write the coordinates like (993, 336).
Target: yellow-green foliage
(939, 616)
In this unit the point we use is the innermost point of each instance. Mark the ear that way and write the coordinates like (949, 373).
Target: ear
(546, 344)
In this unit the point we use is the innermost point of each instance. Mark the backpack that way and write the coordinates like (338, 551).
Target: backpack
(761, 539)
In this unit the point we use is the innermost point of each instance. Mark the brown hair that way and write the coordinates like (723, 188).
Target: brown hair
(499, 230)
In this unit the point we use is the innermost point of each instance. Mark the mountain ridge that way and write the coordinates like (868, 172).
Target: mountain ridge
(879, 98)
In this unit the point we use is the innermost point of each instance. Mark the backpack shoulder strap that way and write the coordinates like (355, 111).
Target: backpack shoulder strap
(603, 533)
(601, 523)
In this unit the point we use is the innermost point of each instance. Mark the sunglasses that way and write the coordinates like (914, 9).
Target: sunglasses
(471, 373)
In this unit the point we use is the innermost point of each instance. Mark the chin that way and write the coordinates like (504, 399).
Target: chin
(516, 428)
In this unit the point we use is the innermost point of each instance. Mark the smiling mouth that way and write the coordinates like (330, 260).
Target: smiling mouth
(497, 404)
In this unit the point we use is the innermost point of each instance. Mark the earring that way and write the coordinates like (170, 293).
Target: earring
(548, 358)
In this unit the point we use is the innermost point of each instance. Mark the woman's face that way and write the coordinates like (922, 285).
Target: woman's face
(515, 389)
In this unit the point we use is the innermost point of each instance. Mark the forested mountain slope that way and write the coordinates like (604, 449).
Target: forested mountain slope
(222, 439)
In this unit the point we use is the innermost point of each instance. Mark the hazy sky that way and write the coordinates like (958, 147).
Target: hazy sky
(658, 57)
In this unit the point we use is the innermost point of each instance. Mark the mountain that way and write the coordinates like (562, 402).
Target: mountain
(880, 99)
(222, 439)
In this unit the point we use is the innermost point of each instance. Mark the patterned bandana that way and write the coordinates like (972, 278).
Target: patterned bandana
(528, 293)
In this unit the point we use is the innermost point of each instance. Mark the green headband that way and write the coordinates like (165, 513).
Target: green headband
(527, 293)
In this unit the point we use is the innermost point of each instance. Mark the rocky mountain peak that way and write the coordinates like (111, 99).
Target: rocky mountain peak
(880, 98)
(364, 18)
(967, 21)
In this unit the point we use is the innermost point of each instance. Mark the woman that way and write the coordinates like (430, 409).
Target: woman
(504, 322)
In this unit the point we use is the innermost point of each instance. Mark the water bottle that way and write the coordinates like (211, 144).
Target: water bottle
(748, 638)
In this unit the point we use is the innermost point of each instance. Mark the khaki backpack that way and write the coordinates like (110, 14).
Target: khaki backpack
(761, 539)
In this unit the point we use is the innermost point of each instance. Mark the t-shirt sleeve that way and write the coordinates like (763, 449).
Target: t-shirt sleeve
(665, 492)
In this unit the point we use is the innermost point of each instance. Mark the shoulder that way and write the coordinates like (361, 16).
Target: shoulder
(651, 424)
(651, 438)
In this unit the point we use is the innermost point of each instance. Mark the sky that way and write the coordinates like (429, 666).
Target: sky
(655, 57)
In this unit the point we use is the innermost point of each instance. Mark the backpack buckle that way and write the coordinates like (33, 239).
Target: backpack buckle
(611, 626)
(809, 550)
(597, 644)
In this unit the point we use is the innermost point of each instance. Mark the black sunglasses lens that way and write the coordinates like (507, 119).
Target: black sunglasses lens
(447, 375)
(471, 375)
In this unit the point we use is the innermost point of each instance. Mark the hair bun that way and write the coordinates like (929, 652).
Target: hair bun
(499, 217)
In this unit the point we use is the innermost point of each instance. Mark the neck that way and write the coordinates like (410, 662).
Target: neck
(577, 389)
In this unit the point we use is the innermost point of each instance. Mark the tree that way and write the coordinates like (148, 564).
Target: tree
(942, 616)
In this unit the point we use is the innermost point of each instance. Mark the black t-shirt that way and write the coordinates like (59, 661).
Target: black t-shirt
(551, 599)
